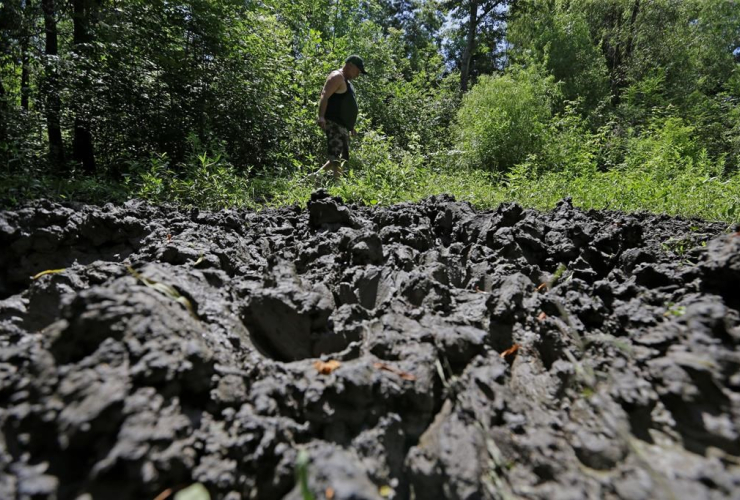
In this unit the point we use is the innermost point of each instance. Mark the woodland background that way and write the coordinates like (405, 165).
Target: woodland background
(620, 104)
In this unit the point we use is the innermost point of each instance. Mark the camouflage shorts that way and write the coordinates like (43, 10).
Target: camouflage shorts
(337, 141)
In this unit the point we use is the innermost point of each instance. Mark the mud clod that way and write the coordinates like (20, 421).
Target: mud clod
(474, 355)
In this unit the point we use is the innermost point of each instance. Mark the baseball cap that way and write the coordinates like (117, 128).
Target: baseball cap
(357, 61)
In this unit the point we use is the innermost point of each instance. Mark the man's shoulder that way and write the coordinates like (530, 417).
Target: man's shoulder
(335, 75)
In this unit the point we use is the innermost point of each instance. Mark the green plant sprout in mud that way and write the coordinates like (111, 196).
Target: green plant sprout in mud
(557, 275)
(674, 310)
(301, 471)
(678, 246)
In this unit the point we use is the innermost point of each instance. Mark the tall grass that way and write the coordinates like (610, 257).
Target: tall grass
(662, 173)
(663, 182)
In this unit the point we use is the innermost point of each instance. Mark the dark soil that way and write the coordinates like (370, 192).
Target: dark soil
(481, 355)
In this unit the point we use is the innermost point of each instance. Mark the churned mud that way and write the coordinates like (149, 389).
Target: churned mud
(422, 351)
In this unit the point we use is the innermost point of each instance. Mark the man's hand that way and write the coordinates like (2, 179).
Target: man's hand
(321, 121)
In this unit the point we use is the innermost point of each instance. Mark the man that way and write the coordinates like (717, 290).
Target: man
(338, 112)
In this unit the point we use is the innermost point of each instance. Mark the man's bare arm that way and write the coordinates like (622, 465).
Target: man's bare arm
(333, 82)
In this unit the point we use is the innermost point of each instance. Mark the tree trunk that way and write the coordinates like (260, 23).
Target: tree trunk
(3, 113)
(631, 39)
(469, 46)
(618, 51)
(82, 145)
(53, 102)
(24, 36)
(25, 73)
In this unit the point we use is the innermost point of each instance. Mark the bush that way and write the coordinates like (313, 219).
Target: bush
(567, 146)
(668, 149)
(502, 119)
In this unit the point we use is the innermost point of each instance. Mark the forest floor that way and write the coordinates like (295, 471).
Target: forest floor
(418, 351)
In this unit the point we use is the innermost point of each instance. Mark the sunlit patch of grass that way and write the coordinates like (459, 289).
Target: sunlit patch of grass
(381, 176)
(688, 195)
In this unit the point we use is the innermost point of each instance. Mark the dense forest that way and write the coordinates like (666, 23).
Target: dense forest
(623, 104)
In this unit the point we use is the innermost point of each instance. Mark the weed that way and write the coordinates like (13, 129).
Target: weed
(559, 272)
(381, 173)
(47, 272)
(678, 246)
(674, 310)
(302, 475)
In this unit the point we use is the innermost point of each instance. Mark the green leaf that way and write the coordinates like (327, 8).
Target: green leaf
(193, 492)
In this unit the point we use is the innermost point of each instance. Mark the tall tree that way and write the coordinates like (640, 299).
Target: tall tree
(419, 22)
(687, 45)
(4, 109)
(559, 35)
(25, 39)
(3, 112)
(25, 75)
(475, 16)
(472, 29)
(620, 25)
(53, 103)
(82, 146)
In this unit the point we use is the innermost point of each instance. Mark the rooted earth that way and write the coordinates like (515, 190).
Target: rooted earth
(421, 351)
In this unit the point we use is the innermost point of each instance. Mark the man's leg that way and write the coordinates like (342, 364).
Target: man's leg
(336, 147)
(334, 166)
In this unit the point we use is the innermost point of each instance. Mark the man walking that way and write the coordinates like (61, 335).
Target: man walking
(338, 112)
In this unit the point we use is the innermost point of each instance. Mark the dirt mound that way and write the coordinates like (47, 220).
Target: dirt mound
(421, 351)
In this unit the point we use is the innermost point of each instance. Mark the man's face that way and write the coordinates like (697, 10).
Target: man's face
(354, 71)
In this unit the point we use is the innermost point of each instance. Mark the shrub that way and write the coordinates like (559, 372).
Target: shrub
(567, 146)
(502, 119)
(668, 149)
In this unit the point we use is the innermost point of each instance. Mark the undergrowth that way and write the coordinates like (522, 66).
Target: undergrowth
(18, 188)
(379, 174)
(685, 186)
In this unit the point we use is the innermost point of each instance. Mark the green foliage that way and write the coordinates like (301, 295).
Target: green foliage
(16, 188)
(381, 174)
(716, 121)
(667, 150)
(487, 50)
(567, 146)
(687, 193)
(216, 71)
(628, 62)
(205, 180)
(245, 75)
(559, 34)
(617, 103)
(21, 150)
(502, 119)
(302, 463)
